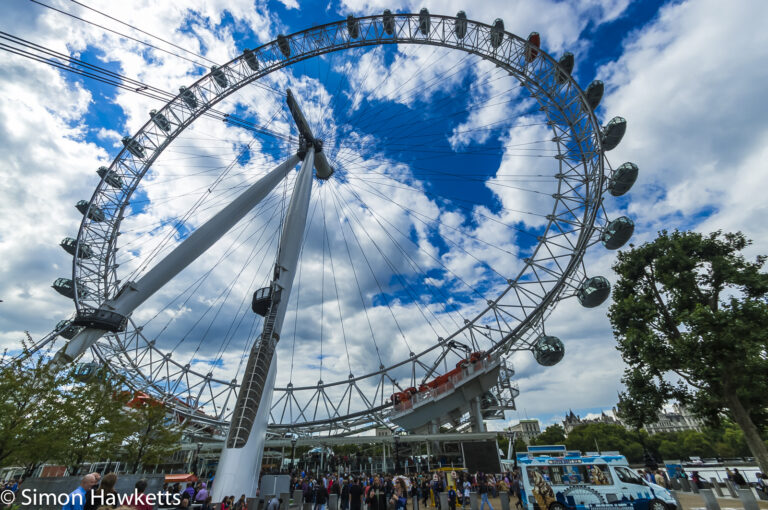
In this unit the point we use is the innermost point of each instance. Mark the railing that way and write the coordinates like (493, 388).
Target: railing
(447, 386)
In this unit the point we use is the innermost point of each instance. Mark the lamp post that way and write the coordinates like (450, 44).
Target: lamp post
(197, 459)
(293, 451)
(397, 453)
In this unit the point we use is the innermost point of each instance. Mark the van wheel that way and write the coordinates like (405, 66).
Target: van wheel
(657, 505)
(559, 506)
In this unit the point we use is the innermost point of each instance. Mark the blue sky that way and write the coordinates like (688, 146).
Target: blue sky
(442, 160)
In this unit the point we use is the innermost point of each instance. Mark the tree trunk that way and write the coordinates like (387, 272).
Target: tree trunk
(751, 434)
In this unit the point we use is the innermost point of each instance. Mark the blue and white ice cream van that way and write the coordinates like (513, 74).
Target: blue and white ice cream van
(572, 481)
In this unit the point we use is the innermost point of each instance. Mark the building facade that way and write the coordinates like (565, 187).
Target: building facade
(572, 421)
(526, 430)
(678, 420)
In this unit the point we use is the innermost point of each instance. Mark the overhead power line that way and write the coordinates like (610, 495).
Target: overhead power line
(25, 48)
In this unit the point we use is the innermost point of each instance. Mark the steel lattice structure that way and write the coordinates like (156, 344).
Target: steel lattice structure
(514, 321)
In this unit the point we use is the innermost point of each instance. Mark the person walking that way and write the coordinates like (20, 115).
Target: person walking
(738, 478)
(451, 499)
(377, 497)
(467, 487)
(483, 489)
(355, 495)
(344, 498)
(321, 496)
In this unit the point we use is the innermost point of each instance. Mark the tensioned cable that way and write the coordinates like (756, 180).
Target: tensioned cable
(336, 288)
(386, 299)
(195, 286)
(358, 118)
(228, 292)
(196, 205)
(115, 79)
(452, 199)
(413, 293)
(373, 190)
(144, 32)
(376, 217)
(365, 111)
(138, 40)
(357, 280)
(298, 293)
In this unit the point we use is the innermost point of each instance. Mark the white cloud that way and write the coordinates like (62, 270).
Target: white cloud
(687, 84)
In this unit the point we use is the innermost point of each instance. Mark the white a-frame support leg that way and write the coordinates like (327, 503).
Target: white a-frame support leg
(240, 462)
(135, 293)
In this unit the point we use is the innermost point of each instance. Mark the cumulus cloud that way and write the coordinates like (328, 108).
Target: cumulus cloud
(386, 258)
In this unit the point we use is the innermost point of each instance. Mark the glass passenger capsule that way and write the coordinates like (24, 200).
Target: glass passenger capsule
(70, 245)
(66, 288)
(424, 21)
(548, 351)
(283, 45)
(593, 291)
(133, 146)
(219, 77)
(188, 97)
(461, 24)
(65, 329)
(566, 67)
(613, 133)
(353, 27)
(617, 233)
(250, 58)
(110, 178)
(160, 120)
(622, 179)
(389, 22)
(497, 33)
(594, 94)
(94, 213)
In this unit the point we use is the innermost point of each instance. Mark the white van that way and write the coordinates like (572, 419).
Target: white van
(572, 481)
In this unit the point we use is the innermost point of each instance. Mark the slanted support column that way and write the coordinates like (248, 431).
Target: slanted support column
(476, 414)
(134, 294)
(240, 462)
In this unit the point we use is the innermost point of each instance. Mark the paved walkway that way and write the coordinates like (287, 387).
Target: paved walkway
(695, 502)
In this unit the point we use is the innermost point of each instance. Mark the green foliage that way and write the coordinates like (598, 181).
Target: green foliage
(726, 441)
(30, 406)
(554, 434)
(690, 316)
(155, 435)
(605, 437)
(48, 415)
(95, 418)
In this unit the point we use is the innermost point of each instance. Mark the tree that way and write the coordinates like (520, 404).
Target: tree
(156, 434)
(690, 316)
(97, 419)
(605, 437)
(31, 402)
(554, 434)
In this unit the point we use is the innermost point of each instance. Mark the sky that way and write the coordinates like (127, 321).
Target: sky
(444, 173)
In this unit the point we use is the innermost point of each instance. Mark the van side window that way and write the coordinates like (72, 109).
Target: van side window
(626, 475)
(572, 474)
(598, 475)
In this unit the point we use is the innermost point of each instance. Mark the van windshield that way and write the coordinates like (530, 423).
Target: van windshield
(573, 474)
(626, 475)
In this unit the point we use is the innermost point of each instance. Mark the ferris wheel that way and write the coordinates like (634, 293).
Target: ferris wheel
(371, 283)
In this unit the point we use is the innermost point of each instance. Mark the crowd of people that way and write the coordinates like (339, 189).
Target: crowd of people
(383, 492)
(354, 492)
